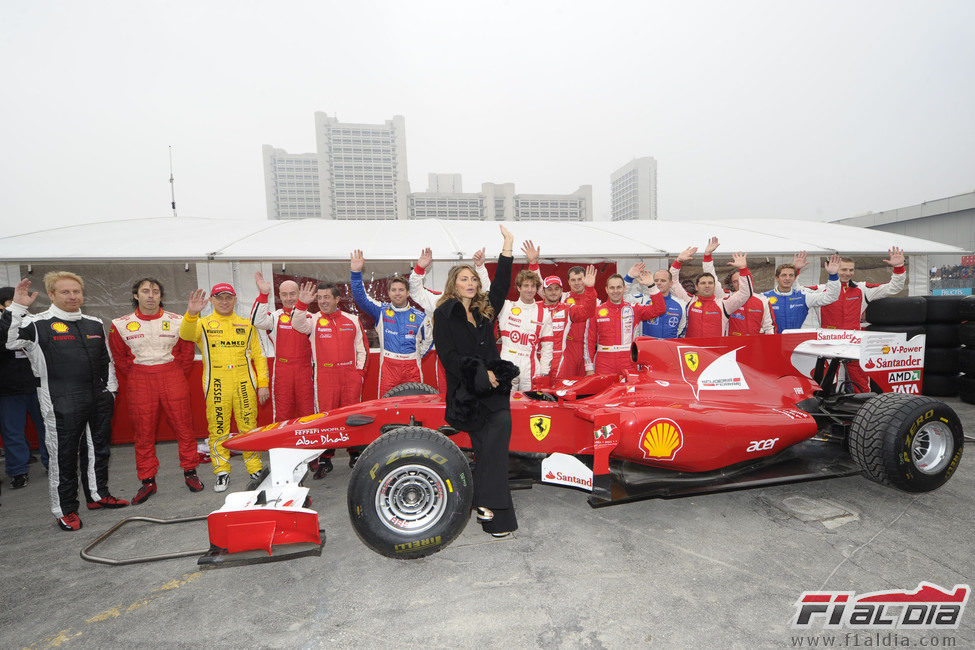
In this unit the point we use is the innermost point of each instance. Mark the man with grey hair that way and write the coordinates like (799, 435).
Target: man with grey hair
(292, 390)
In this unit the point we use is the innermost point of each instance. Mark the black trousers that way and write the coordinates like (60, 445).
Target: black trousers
(79, 427)
(490, 444)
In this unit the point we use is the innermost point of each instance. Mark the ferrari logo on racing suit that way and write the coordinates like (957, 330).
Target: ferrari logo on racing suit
(132, 327)
(165, 325)
(540, 425)
(661, 440)
(690, 358)
(59, 327)
(412, 318)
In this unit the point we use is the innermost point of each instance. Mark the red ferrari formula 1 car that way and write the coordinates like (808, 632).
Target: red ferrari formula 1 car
(701, 415)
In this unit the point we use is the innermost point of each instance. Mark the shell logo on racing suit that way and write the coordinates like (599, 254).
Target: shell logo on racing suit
(540, 426)
(661, 440)
(59, 327)
(285, 318)
(773, 300)
(133, 326)
(515, 310)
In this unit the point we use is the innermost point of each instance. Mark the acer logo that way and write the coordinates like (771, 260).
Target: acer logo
(761, 445)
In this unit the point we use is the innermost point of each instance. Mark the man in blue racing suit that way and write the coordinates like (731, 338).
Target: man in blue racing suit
(791, 302)
(405, 332)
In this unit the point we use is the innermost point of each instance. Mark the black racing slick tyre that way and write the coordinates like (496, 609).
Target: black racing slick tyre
(939, 385)
(940, 335)
(411, 388)
(909, 310)
(966, 333)
(943, 309)
(966, 388)
(912, 443)
(966, 308)
(966, 360)
(943, 361)
(909, 330)
(410, 493)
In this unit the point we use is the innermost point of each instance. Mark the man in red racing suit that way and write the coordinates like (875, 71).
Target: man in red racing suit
(611, 328)
(292, 390)
(565, 316)
(707, 314)
(152, 363)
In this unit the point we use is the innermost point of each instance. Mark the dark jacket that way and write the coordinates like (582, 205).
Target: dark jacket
(16, 377)
(467, 352)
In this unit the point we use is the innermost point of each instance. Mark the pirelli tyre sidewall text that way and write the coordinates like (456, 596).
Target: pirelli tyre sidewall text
(410, 493)
(910, 442)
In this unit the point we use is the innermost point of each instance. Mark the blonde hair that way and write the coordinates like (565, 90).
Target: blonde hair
(51, 278)
(525, 275)
(480, 302)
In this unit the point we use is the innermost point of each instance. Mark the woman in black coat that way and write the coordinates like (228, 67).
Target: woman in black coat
(479, 382)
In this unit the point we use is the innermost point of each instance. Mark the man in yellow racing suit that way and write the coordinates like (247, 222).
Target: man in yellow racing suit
(228, 343)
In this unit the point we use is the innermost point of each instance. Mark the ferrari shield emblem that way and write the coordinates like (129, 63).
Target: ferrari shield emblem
(690, 358)
(540, 425)
(165, 325)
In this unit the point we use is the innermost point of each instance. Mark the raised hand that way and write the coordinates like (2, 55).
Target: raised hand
(832, 265)
(262, 285)
(896, 257)
(306, 292)
(478, 257)
(646, 278)
(686, 254)
(637, 270)
(22, 294)
(531, 251)
(589, 279)
(509, 239)
(712, 246)
(426, 256)
(799, 261)
(739, 260)
(357, 261)
(198, 300)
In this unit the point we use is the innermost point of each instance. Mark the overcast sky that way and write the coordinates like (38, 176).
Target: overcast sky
(810, 110)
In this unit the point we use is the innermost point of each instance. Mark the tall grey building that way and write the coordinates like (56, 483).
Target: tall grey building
(444, 199)
(634, 190)
(364, 172)
(358, 172)
(291, 184)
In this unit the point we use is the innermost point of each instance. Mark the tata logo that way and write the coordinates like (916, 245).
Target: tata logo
(540, 426)
(691, 360)
(59, 327)
(133, 327)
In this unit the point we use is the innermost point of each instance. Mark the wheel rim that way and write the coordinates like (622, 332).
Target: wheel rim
(411, 499)
(931, 448)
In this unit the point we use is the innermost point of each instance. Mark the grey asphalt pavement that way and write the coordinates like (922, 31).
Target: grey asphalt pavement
(723, 569)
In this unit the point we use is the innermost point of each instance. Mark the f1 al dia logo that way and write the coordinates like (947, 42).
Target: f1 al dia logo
(929, 607)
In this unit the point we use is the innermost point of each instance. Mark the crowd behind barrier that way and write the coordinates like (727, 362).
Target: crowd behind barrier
(559, 321)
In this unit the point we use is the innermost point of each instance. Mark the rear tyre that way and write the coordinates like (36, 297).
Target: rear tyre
(907, 310)
(410, 493)
(411, 388)
(936, 385)
(944, 361)
(943, 309)
(966, 333)
(910, 330)
(912, 443)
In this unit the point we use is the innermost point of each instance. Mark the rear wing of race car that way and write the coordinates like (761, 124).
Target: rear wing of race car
(892, 362)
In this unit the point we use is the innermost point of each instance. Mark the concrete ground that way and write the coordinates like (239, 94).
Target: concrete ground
(723, 570)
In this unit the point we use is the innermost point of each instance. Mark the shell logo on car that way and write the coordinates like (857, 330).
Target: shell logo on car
(661, 440)
(59, 327)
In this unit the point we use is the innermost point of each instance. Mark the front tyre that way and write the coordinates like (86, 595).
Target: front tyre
(410, 493)
(912, 443)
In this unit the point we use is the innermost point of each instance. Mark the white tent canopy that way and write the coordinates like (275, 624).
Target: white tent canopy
(196, 239)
